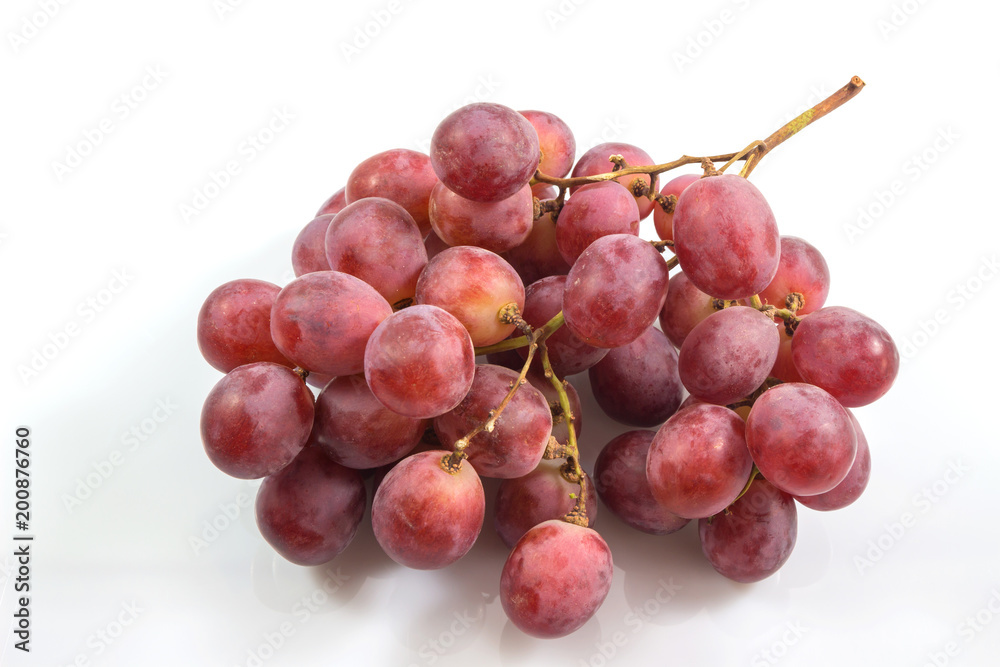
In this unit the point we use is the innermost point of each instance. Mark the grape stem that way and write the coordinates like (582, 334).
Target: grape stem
(545, 331)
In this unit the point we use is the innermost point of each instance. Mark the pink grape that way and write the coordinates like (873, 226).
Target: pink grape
(420, 362)
(852, 486)
(615, 290)
(595, 161)
(725, 237)
(729, 354)
(331, 206)
(322, 321)
(784, 369)
(755, 538)
(446, 283)
(684, 307)
(637, 384)
(698, 461)
(404, 176)
(541, 495)
(256, 420)
(376, 240)
(596, 210)
(663, 222)
(555, 141)
(846, 353)
(485, 151)
(309, 249)
(426, 518)
(495, 225)
(357, 431)
(620, 477)
(801, 439)
(538, 255)
(516, 444)
(555, 579)
(310, 510)
(568, 353)
(234, 325)
(801, 269)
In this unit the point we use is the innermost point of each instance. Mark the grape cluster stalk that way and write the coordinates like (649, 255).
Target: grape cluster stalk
(442, 301)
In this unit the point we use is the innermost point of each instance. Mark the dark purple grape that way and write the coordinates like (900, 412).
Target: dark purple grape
(541, 495)
(256, 420)
(846, 353)
(698, 462)
(310, 510)
(620, 478)
(376, 240)
(424, 517)
(568, 353)
(322, 321)
(725, 237)
(637, 384)
(515, 446)
(420, 362)
(485, 151)
(852, 486)
(755, 538)
(357, 431)
(729, 354)
(404, 176)
(234, 325)
(495, 225)
(596, 210)
(615, 290)
(555, 579)
(309, 249)
(801, 439)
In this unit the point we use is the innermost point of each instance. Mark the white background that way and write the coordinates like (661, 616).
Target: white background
(893, 579)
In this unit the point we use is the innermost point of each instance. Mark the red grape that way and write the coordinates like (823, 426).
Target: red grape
(495, 225)
(404, 176)
(555, 579)
(538, 255)
(357, 431)
(615, 290)
(337, 201)
(699, 461)
(310, 510)
(515, 446)
(555, 141)
(801, 439)
(485, 151)
(851, 488)
(541, 495)
(376, 240)
(637, 384)
(596, 210)
(801, 269)
(595, 161)
(420, 362)
(427, 518)
(846, 353)
(783, 368)
(663, 222)
(725, 237)
(322, 321)
(620, 477)
(256, 420)
(309, 249)
(234, 325)
(729, 354)
(755, 538)
(684, 307)
(560, 428)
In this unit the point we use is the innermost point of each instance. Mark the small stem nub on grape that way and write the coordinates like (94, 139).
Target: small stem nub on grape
(301, 372)
(666, 202)
(795, 301)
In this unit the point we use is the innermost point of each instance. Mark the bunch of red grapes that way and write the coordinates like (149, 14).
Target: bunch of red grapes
(440, 303)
